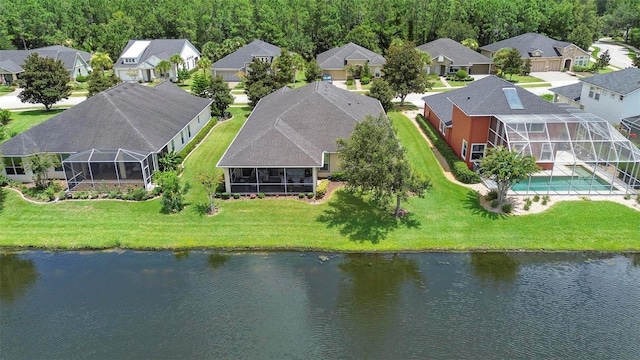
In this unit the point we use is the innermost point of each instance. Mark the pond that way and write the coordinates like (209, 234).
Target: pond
(206, 304)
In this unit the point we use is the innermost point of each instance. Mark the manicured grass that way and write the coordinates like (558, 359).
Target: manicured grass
(449, 217)
(25, 120)
(456, 83)
(535, 85)
(595, 52)
(523, 79)
(4, 90)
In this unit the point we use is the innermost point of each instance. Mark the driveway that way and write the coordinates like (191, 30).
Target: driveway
(12, 102)
(619, 54)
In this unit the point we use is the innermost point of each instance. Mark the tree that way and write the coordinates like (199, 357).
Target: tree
(508, 61)
(365, 37)
(176, 60)
(101, 61)
(221, 94)
(40, 164)
(470, 43)
(283, 66)
(44, 81)
(380, 90)
(163, 67)
(259, 81)
(183, 74)
(374, 162)
(404, 70)
(507, 168)
(173, 191)
(312, 71)
(209, 180)
(636, 61)
(200, 86)
(99, 82)
(204, 64)
(526, 66)
(603, 61)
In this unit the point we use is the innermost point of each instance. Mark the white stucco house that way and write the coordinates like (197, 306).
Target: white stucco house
(139, 59)
(612, 96)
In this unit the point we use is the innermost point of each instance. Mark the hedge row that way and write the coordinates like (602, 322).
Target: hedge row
(196, 140)
(321, 189)
(458, 167)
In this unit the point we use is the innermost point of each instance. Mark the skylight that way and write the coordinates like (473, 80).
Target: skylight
(513, 99)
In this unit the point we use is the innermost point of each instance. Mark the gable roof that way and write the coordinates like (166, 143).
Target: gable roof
(57, 52)
(8, 66)
(486, 97)
(453, 50)
(295, 127)
(237, 59)
(128, 116)
(570, 91)
(160, 48)
(528, 43)
(622, 81)
(336, 58)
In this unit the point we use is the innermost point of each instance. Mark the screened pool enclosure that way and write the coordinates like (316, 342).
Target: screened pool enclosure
(579, 153)
(93, 169)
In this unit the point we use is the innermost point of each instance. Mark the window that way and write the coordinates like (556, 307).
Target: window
(621, 98)
(13, 166)
(594, 92)
(172, 146)
(581, 61)
(443, 128)
(129, 61)
(182, 136)
(547, 152)
(477, 151)
(326, 162)
(535, 127)
(198, 118)
(463, 153)
(377, 73)
(591, 91)
(453, 69)
(189, 130)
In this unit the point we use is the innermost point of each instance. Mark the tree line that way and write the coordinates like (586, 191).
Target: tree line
(306, 27)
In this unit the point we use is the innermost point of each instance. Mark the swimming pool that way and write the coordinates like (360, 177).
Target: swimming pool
(562, 184)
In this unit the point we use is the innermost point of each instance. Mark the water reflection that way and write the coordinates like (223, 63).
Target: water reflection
(217, 259)
(181, 254)
(16, 276)
(496, 267)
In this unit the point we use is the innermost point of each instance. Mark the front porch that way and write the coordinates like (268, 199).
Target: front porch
(270, 180)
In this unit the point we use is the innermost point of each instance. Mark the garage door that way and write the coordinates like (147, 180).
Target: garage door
(538, 66)
(228, 75)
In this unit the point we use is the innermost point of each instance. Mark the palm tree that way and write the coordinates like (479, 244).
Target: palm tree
(204, 63)
(176, 60)
(101, 61)
(163, 67)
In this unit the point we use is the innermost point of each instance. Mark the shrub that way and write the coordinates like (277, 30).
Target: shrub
(536, 198)
(527, 204)
(321, 189)
(4, 181)
(578, 68)
(495, 203)
(545, 199)
(349, 81)
(82, 195)
(301, 195)
(491, 195)
(261, 195)
(507, 208)
(156, 191)
(139, 194)
(236, 196)
(339, 176)
(198, 138)
(460, 171)
(310, 195)
(115, 194)
(461, 74)
(548, 97)
(225, 196)
(365, 80)
(82, 78)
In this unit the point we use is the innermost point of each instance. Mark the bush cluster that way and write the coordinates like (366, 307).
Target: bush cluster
(338, 176)
(578, 68)
(507, 208)
(491, 195)
(527, 204)
(321, 189)
(349, 81)
(365, 80)
(82, 78)
(198, 138)
(460, 169)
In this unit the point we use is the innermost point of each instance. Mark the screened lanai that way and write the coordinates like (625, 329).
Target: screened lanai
(94, 168)
(579, 153)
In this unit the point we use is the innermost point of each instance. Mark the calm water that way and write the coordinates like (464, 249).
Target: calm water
(135, 305)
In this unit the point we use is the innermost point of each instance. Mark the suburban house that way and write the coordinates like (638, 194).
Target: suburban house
(449, 56)
(76, 61)
(289, 139)
(568, 94)
(546, 54)
(336, 61)
(233, 65)
(139, 59)
(612, 96)
(113, 137)
(579, 152)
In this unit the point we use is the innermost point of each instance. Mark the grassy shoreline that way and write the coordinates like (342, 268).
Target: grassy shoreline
(449, 218)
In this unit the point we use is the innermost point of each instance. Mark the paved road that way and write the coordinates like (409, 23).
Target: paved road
(619, 54)
(12, 102)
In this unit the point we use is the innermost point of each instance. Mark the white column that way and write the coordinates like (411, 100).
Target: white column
(314, 177)
(227, 180)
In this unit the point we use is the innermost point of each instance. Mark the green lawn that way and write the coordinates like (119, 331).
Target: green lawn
(456, 83)
(4, 90)
(525, 85)
(25, 120)
(523, 78)
(449, 217)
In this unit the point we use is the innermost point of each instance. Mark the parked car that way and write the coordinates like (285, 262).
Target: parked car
(327, 78)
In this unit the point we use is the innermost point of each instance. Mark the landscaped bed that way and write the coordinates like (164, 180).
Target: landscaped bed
(449, 217)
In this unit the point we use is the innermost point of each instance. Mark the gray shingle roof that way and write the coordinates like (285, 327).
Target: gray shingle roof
(570, 91)
(529, 42)
(245, 54)
(160, 48)
(294, 127)
(128, 116)
(458, 53)
(56, 52)
(622, 82)
(336, 58)
(485, 97)
(8, 66)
